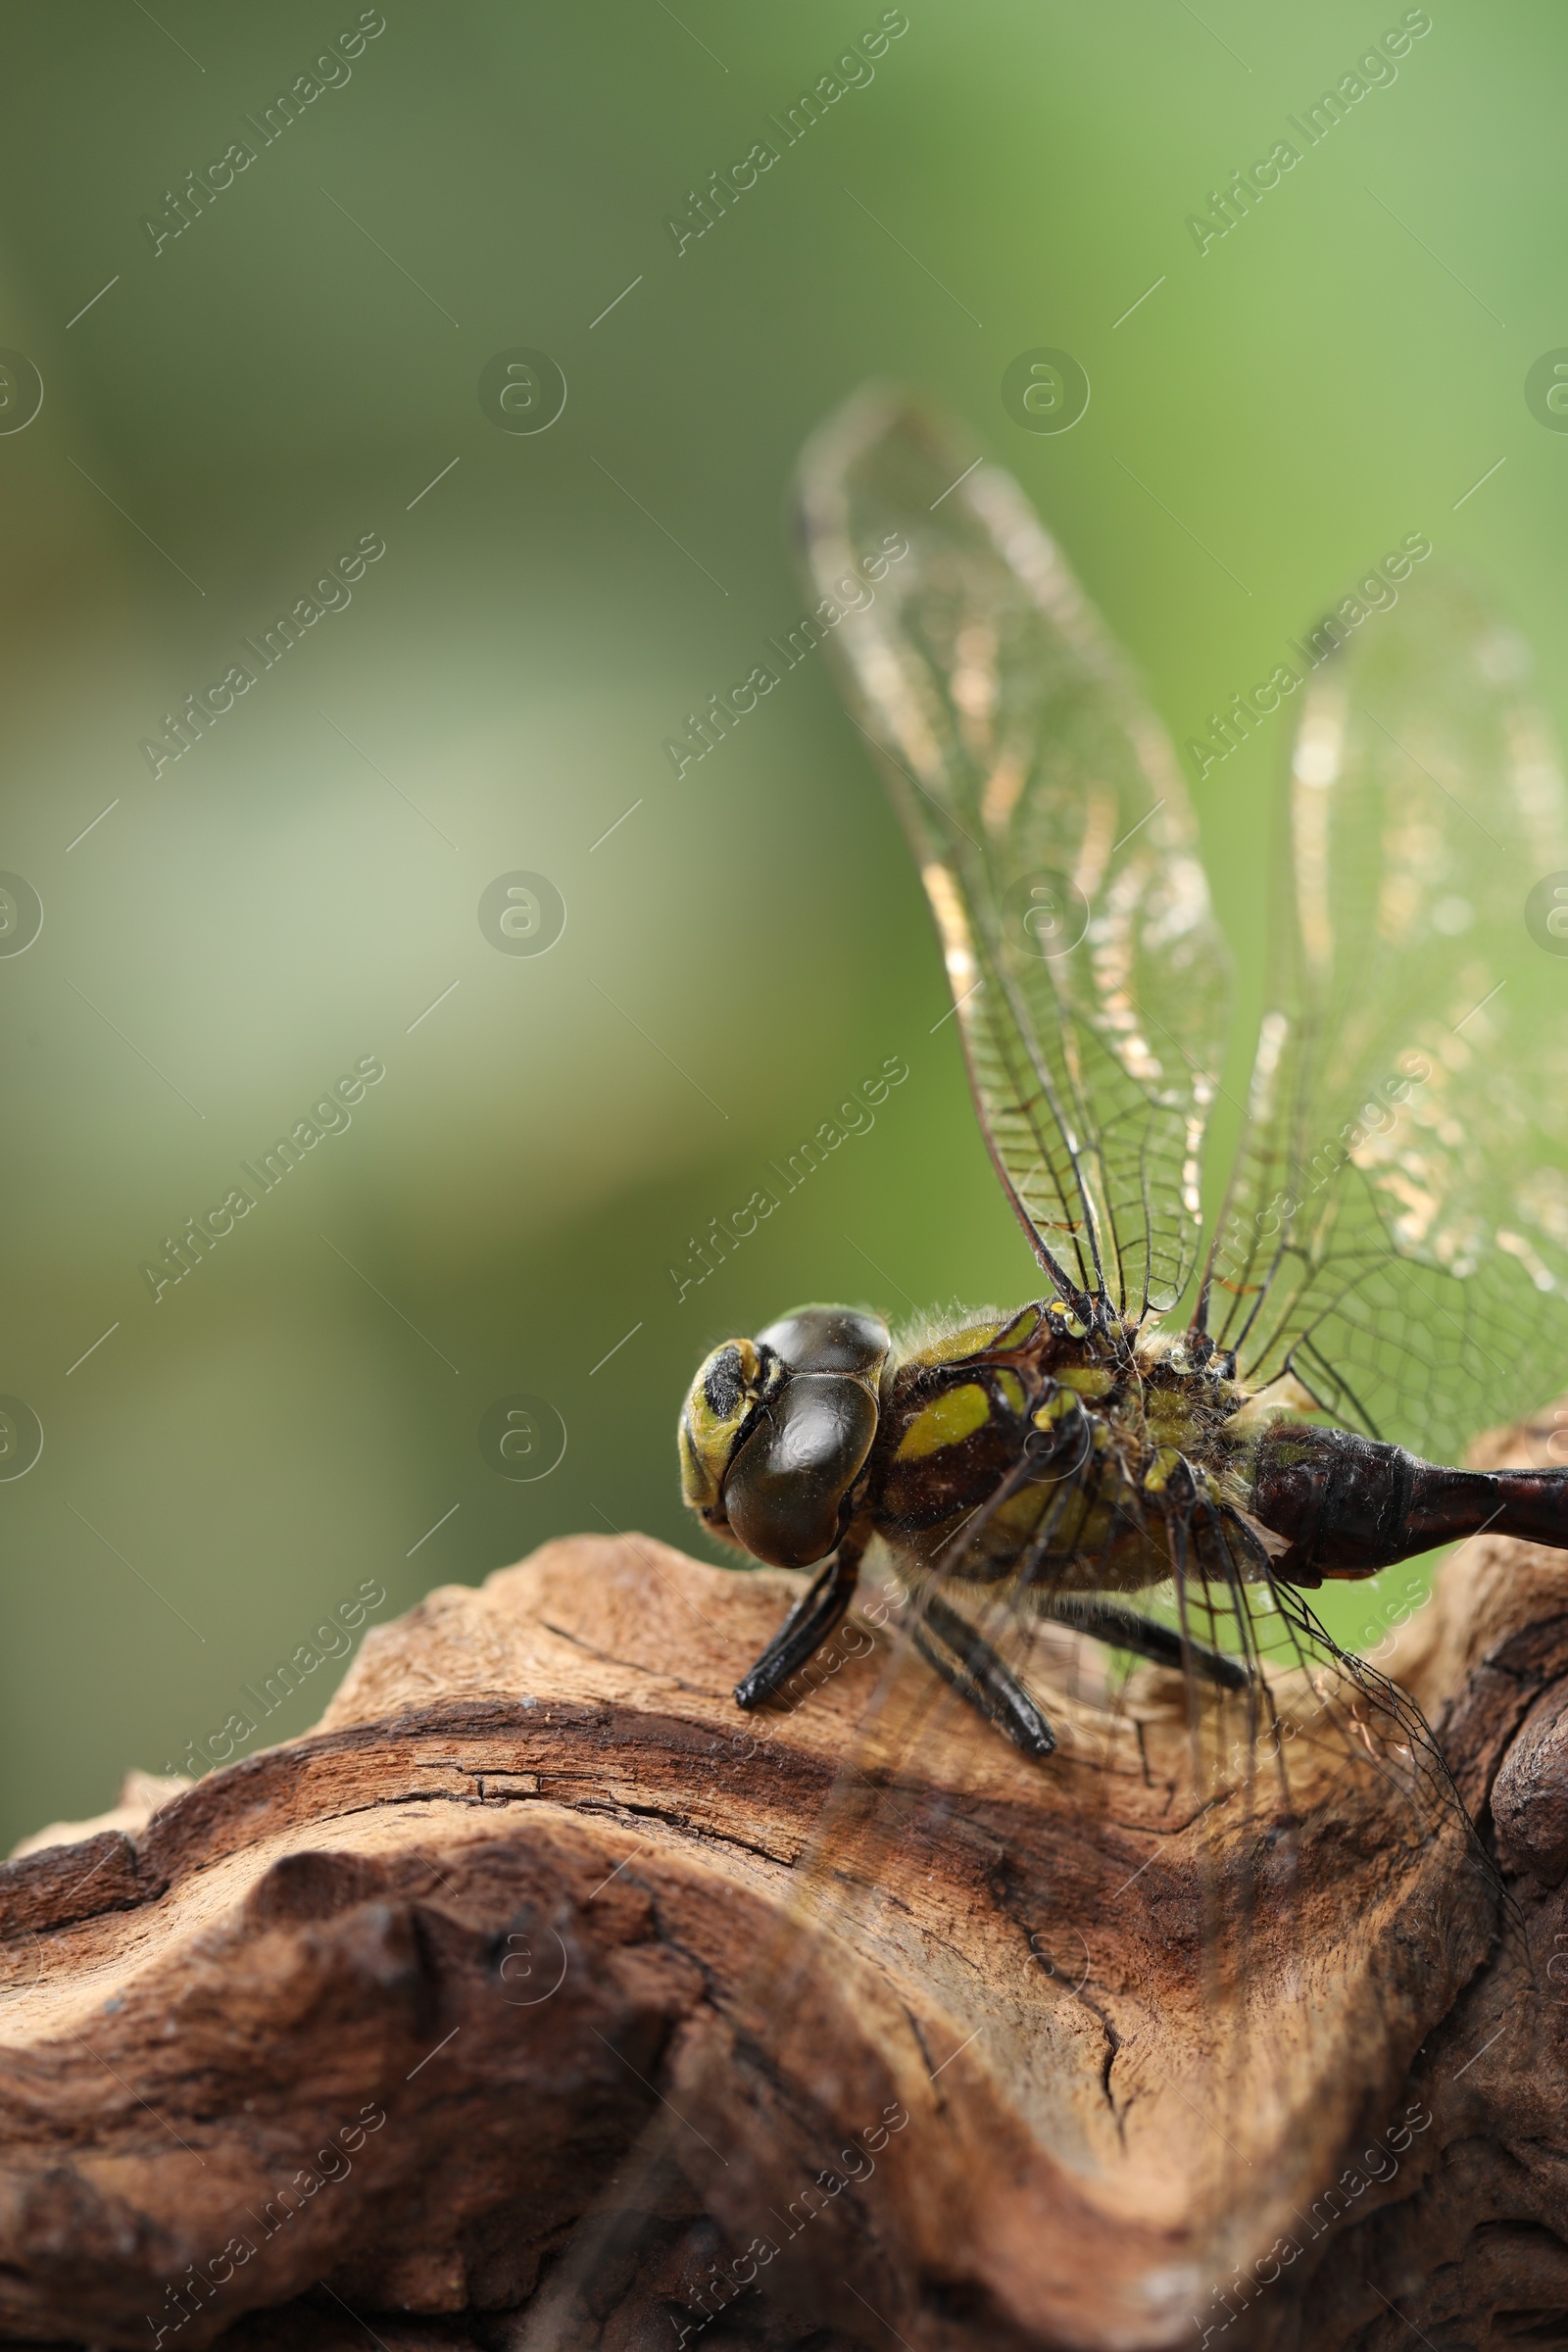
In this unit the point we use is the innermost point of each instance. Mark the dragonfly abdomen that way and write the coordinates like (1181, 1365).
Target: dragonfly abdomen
(1349, 1505)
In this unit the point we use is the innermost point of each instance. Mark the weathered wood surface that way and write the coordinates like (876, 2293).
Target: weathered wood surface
(341, 2044)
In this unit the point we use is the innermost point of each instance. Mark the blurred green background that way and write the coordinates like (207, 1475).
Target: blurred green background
(232, 410)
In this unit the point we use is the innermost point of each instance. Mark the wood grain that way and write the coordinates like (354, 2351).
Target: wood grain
(487, 2012)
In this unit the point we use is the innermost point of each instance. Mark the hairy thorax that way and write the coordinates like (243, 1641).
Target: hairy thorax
(1117, 1447)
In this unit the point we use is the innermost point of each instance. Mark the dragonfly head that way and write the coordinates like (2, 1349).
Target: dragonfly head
(777, 1430)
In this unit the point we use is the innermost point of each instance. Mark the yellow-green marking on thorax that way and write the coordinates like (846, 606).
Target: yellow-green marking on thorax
(946, 1421)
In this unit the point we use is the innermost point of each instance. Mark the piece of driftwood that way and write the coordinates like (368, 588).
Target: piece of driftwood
(484, 2014)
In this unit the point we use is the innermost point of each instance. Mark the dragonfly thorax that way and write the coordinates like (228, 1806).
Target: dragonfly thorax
(1067, 1444)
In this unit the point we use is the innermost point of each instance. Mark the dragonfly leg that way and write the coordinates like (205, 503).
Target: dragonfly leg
(947, 1640)
(1109, 1621)
(805, 1628)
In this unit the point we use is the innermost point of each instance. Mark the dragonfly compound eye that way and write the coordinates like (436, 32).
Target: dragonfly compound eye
(728, 1388)
(799, 1404)
(830, 1339)
(787, 1487)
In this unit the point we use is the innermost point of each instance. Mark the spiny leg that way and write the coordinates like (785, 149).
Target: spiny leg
(947, 1640)
(952, 1643)
(1050, 1541)
(805, 1628)
(1041, 1545)
(1223, 1525)
(820, 1607)
(1059, 1544)
(1192, 1513)
(1109, 1621)
(1038, 1452)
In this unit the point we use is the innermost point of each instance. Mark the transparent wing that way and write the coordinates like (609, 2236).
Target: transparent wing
(1053, 832)
(1397, 1233)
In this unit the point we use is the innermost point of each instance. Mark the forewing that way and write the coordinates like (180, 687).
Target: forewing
(1054, 835)
(1399, 1233)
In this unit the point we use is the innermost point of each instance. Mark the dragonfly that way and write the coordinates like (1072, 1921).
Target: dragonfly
(1098, 1524)
(1230, 1412)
